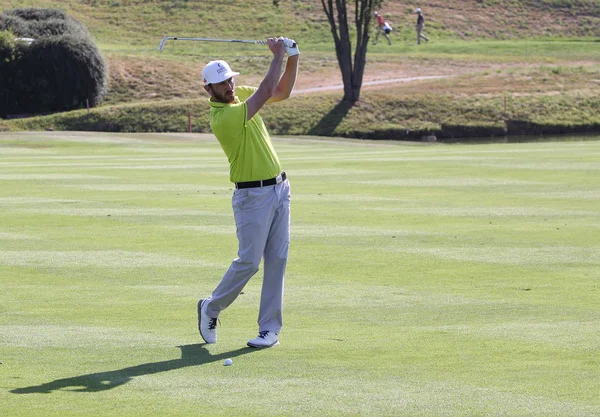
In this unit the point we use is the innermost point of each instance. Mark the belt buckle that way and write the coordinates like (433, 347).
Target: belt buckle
(278, 179)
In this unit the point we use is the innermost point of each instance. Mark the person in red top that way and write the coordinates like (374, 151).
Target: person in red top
(383, 27)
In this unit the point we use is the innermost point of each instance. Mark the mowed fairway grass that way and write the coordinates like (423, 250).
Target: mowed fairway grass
(423, 279)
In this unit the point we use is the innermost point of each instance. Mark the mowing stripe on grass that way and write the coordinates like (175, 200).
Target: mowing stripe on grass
(337, 173)
(146, 187)
(116, 163)
(158, 212)
(15, 236)
(14, 150)
(486, 211)
(208, 229)
(561, 334)
(555, 255)
(320, 231)
(401, 305)
(545, 166)
(120, 158)
(92, 137)
(444, 182)
(34, 200)
(46, 177)
(70, 337)
(346, 197)
(190, 150)
(578, 195)
(115, 166)
(107, 259)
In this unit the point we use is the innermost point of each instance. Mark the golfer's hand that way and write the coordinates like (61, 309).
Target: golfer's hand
(276, 46)
(291, 47)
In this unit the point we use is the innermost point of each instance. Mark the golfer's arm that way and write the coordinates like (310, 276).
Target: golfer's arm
(287, 81)
(267, 87)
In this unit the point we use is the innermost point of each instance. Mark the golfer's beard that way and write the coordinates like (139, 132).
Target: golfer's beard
(222, 98)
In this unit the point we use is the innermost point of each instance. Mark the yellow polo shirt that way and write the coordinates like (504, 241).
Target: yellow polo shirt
(247, 144)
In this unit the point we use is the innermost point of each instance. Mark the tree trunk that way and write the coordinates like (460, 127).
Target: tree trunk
(352, 72)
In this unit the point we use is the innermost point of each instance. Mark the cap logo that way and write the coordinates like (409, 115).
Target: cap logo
(221, 68)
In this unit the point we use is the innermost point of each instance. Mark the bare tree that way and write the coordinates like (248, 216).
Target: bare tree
(352, 71)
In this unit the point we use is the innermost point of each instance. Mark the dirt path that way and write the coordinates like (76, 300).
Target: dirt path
(367, 84)
(382, 75)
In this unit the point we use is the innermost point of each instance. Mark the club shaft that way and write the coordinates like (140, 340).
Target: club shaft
(177, 38)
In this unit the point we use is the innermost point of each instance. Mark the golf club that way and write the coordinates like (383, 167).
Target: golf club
(176, 38)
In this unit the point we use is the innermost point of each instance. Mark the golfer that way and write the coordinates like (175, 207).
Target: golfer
(261, 200)
(383, 28)
(419, 26)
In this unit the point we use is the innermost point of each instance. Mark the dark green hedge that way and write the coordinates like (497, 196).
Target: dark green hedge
(61, 70)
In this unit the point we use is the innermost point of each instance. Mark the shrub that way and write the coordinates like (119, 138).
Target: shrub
(9, 56)
(37, 23)
(7, 42)
(61, 70)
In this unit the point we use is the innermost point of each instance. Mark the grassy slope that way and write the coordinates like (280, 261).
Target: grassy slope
(135, 23)
(128, 33)
(423, 280)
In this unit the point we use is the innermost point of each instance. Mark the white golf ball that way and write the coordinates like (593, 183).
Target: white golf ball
(228, 362)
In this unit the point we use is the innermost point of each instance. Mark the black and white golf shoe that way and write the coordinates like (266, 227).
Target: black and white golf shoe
(265, 339)
(206, 325)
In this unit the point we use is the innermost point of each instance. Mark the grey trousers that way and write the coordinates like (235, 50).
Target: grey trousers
(420, 34)
(262, 217)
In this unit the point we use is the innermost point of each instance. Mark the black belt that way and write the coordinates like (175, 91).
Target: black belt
(262, 183)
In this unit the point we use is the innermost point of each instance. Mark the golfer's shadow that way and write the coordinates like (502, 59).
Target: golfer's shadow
(191, 355)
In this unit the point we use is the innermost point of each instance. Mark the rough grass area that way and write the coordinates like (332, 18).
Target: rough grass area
(133, 24)
(424, 280)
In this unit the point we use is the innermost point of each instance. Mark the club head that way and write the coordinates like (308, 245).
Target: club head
(162, 44)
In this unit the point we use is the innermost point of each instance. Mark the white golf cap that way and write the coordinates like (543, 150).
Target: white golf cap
(418, 11)
(217, 71)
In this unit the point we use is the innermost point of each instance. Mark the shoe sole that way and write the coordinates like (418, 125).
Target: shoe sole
(200, 321)
(263, 346)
